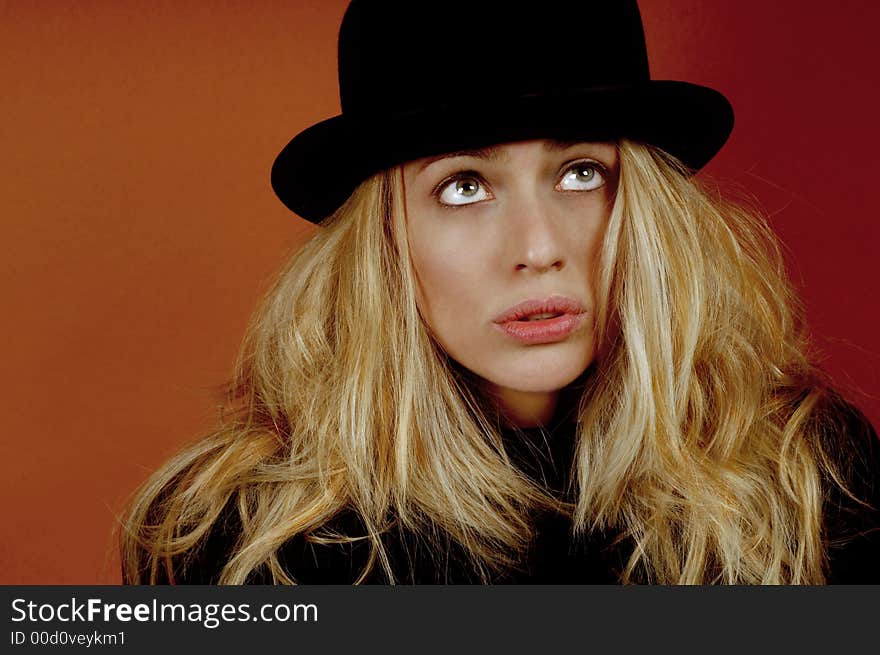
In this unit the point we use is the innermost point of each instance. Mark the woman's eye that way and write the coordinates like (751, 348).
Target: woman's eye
(462, 191)
(583, 176)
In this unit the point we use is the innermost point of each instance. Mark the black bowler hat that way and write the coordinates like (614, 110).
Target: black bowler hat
(420, 78)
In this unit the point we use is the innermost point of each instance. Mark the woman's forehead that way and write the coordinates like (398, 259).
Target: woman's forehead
(503, 151)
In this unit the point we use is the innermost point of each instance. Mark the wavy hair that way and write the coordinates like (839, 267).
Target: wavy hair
(700, 427)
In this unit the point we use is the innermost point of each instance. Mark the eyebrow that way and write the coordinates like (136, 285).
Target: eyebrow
(492, 153)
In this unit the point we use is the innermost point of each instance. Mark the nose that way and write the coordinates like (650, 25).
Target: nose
(534, 237)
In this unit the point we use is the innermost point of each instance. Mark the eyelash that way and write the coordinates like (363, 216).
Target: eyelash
(473, 175)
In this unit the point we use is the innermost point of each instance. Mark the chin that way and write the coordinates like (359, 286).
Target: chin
(539, 377)
(543, 385)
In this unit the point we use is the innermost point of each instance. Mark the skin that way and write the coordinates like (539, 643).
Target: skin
(522, 220)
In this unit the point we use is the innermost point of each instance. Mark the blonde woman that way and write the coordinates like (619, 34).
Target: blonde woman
(525, 344)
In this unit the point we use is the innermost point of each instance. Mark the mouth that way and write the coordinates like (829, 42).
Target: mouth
(539, 321)
(540, 309)
(538, 317)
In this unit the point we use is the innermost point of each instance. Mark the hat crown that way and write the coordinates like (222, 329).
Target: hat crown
(397, 56)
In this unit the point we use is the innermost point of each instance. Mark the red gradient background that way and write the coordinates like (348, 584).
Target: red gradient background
(139, 228)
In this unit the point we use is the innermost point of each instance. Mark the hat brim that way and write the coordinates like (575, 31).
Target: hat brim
(317, 171)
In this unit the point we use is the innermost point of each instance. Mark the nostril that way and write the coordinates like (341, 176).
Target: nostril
(558, 265)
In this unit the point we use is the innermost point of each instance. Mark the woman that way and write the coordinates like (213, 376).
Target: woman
(525, 345)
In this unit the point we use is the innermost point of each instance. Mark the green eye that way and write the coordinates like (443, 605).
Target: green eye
(462, 190)
(585, 174)
(582, 176)
(467, 188)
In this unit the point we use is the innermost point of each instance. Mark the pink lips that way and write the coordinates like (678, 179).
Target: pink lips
(570, 316)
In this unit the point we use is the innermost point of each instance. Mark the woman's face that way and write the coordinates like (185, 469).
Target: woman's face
(494, 228)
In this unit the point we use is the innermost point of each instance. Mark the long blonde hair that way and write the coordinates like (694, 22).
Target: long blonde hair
(700, 428)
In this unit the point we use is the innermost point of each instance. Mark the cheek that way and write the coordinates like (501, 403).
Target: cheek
(450, 281)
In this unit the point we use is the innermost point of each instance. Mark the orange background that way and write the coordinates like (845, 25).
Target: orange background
(139, 227)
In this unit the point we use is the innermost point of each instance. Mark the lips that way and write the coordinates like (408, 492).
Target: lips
(539, 321)
(552, 306)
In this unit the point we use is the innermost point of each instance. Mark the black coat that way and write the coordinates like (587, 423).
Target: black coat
(852, 531)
